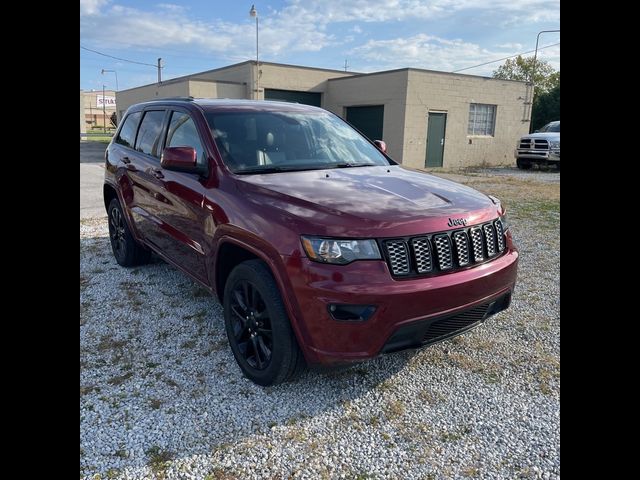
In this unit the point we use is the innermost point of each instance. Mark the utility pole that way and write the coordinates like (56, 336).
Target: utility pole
(345, 65)
(159, 70)
(104, 112)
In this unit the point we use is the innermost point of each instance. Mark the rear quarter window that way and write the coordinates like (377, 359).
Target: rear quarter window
(127, 134)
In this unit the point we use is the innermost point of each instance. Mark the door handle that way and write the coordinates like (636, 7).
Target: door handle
(158, 173)
(126, 160)
(442, 142)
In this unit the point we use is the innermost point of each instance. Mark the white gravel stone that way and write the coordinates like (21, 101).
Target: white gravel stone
(158, 382)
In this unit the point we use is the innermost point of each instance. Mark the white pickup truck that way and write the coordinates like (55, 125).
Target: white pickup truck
(541, 147)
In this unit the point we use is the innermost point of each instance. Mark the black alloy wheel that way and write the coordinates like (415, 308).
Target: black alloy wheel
(258, 327)
(125, 248)
(251, 325)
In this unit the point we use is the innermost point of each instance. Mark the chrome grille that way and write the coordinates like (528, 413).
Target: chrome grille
(499, 234)
(490, 239)
(476, 244)
(443, 251)
(461, 242)
(422, 252)
(398, 256)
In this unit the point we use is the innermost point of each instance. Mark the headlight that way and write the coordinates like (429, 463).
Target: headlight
(340, 251)
(554, 144)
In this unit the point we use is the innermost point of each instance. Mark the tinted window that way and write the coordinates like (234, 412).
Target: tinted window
(149, 132)
(182, 133)
(274, 141)
(127, 133)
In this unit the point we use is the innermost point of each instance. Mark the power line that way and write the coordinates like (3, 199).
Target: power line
(123, 59)
(505, 58)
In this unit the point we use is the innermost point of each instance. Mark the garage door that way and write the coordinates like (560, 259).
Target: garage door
(308, 98)
(368, 120)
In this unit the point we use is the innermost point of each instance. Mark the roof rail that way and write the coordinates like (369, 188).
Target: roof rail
(163, 99)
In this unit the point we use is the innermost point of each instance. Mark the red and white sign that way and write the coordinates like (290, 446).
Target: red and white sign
(108, 101)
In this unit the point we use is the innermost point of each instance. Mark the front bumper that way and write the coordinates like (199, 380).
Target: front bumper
(537, 155)
(400, 303)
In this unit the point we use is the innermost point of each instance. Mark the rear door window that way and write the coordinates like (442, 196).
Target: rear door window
(127, 134)
(149, 132)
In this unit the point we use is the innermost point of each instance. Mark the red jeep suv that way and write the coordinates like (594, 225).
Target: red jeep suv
(321, 248)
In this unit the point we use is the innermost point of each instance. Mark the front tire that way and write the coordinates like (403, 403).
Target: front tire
(522, 165)
(127, 251)
(258, 328)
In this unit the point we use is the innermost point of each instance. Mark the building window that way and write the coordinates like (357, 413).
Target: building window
(482, 119)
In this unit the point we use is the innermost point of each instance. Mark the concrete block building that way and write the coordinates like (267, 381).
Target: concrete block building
(427, 118)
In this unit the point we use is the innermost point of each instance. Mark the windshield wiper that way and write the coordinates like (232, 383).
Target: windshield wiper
(275, 169)
(349, 165)
(272, 169)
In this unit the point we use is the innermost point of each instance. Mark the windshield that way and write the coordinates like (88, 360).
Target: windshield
(551, 127)
(267, 142)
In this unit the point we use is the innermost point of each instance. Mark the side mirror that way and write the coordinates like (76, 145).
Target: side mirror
(382, 146)
(180, 159)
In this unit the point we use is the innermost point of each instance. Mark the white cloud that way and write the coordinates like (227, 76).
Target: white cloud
(171, 26)
(511, 46)
(91, 7)
(302, 26)
(434, 53)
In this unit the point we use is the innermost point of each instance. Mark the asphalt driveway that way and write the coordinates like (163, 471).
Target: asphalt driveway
(91, 177)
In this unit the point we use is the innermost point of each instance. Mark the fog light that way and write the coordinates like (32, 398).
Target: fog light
(351, 313)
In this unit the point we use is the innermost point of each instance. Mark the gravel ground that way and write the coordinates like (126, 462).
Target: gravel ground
(550, 175)
(162, 397)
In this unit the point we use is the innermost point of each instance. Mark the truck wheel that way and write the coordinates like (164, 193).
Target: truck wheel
(522, 165)
(127, 251)
(258, 328)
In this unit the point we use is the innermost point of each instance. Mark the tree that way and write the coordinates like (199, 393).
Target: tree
(519, 68)
(114, 119)
(546, 108)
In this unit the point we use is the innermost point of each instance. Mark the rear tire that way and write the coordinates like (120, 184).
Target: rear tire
(258, 327)
(126, 249)
(522, 165)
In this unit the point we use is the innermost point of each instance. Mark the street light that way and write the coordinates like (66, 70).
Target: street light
(112, 71)
(254, 13)
(533, 68)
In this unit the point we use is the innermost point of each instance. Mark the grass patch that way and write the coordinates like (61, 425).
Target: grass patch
(120, 379)
(198, 316)
(108, 343)
(394, 409)
(455, 435)
(200, 292)
(88, 389)
(470, 471)
(219, 474)
(158, 460)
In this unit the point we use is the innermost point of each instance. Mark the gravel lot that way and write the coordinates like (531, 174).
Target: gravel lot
(161, 395)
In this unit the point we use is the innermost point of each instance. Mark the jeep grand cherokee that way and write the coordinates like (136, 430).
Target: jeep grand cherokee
(321, 248)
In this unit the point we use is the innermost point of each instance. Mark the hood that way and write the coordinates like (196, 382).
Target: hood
(545, 135)
(353, 201)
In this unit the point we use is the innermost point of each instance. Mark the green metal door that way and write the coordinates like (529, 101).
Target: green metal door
(307, 98)
(368, 120)
(435, 139)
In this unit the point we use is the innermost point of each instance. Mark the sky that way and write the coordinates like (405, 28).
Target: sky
(372, 35)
